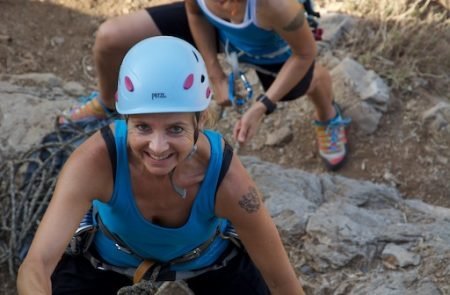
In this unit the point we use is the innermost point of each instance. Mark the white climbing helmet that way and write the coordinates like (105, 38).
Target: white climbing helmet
(162, 75)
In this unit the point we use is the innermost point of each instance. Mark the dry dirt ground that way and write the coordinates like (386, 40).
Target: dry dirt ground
(57, 36)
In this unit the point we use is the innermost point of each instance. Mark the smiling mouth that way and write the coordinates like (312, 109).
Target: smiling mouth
(158, 158)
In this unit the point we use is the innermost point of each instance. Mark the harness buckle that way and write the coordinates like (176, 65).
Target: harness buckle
(123, 249)
(231, 235)
(100, 267)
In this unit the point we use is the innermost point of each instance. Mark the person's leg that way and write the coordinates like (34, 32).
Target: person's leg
(239, 277)
(74, 275)
(329, 124)
(267, 74)
(113, 39)
(117, 35)
(320, 93)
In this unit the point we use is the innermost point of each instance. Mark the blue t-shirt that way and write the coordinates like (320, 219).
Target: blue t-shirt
(122, 217)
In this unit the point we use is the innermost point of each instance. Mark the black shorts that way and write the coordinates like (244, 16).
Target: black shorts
(171, 20)
(74, 275)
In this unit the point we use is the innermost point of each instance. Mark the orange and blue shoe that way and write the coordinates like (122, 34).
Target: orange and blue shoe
(90, 109)
(332, 140)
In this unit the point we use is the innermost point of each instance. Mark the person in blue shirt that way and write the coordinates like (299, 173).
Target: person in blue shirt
(272, 36)
(169, 199)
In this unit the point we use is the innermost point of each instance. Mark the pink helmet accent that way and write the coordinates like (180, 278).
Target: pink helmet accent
(129, 84)
(189, 81)
(208, 92)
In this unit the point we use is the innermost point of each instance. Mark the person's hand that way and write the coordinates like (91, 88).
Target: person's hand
(220, 90)
(247, 126)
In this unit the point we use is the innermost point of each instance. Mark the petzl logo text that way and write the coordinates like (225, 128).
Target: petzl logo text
(157, 95)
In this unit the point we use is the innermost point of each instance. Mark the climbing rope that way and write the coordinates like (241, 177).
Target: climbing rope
(27, 181)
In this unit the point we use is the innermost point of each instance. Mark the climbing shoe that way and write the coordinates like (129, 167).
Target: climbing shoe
(332, 140)
(90, 109)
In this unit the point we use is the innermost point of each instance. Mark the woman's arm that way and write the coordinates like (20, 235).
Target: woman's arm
(287, 18)
(85, 176)
(205, 39)
(239, 201)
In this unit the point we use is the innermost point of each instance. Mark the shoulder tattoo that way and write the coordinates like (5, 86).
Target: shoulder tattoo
(251, 201)
(296, 23)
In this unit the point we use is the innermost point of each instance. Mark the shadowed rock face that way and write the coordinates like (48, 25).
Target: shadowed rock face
(357, 237)
(28, 107)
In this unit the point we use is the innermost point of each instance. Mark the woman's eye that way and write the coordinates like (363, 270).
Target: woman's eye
(176, 129)
(142, 127)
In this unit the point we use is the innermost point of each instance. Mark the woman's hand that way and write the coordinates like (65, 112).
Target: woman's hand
(220, 90)
(246, 127)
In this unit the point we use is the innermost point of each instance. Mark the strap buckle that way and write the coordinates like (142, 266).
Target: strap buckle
(230, 234)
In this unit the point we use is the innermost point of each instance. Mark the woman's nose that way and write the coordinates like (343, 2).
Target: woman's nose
(158, 143)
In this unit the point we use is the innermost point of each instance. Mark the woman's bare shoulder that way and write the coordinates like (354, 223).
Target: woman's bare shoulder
(275, 12)
(236, 184)
(89, 166)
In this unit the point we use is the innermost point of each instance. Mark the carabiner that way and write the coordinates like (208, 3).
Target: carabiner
(240, 103)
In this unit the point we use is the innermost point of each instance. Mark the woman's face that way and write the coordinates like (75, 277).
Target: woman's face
(161, 141)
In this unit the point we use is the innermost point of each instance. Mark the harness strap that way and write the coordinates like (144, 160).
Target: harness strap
(195, 253)
(160, 273)
(226, 161)
(165, 274)
(111, 146)
(239, 52)
(142, 269)
(120, 244)
(101, 265)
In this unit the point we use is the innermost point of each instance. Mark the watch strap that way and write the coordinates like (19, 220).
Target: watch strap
(270, 105)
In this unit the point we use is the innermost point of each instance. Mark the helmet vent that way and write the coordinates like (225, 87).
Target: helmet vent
(129, 84)
(189, 81)
(195, 55)
(202, 79)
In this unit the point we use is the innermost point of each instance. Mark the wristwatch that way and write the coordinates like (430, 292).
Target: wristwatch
(270, 105)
